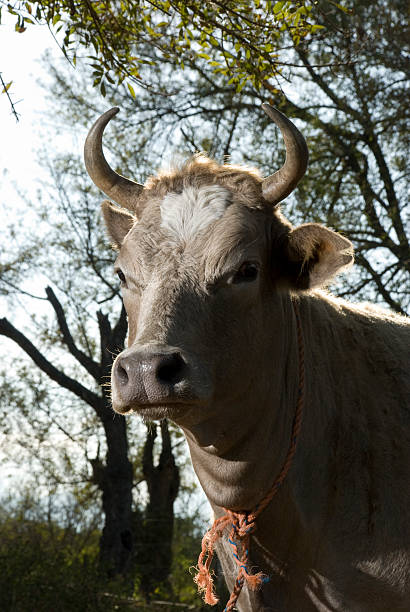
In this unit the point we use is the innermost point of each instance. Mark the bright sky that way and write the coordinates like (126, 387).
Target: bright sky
(20, 54)
(20, 62)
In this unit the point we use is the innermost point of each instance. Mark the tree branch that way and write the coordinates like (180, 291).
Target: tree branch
(316, 78)
(378, 282)
(5, 90)
(89, 364)
(91, 398)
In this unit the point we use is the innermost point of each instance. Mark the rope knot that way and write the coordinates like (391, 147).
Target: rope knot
(241, 528)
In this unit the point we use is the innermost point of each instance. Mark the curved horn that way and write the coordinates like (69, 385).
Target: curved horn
(117, 187)
(279, 185)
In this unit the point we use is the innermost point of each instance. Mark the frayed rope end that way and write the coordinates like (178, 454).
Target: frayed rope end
(255, 581)
(205, 585)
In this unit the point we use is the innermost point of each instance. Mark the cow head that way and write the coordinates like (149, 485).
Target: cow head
(207, 264)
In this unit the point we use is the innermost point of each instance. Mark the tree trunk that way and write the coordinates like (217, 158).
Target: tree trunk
(163, 483)
(116, 481)
(116, 476)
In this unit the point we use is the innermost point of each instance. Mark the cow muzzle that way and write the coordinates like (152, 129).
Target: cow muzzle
(151, 380)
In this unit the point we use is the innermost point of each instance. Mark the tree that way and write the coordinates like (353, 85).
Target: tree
(75, 351)
(240, 40)
(114, 477)
(163, 484)
(360, 141)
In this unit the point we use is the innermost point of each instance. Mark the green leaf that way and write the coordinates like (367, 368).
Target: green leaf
(7, 87)
(131, 90)
(241, 85)
(341, 7)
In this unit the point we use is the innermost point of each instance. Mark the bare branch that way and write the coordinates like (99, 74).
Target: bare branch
(5, 90)
(89, 364)
(379, 284)
(91, 398)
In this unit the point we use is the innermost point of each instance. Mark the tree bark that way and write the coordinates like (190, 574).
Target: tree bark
(115, 480)
(118, 539)
(163, 484)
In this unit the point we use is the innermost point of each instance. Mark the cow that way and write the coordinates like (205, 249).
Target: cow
(231, 335)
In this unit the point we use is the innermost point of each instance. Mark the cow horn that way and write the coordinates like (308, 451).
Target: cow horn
(279, 185)
(120, 189)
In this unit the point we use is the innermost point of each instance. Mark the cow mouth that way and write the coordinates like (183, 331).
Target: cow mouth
(154, 411)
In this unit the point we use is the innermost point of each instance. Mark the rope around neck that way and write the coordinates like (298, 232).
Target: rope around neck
(242, 524)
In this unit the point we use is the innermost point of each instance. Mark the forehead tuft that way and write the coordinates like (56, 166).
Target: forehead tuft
(186, 214)
(200, 171)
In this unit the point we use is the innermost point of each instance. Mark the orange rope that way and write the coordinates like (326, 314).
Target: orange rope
(242, 524)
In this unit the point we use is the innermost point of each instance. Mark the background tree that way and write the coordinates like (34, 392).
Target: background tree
(66, 428)
(358, 120)
(115, 476)
(241, 40)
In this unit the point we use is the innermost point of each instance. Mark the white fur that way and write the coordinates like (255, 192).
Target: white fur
(186, 214)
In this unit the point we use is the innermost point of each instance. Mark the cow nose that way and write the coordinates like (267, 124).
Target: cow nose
(169, 369)
(141, 377)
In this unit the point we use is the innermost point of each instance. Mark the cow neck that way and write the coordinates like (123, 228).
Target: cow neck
(242, 524)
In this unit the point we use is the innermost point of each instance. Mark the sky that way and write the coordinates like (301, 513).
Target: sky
(20, 55)
(20, 141)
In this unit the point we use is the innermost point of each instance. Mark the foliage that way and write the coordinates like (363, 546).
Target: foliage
(240, 40)
(45, 566)
(49, 561)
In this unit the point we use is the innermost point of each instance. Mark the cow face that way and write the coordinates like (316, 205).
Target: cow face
(193, 273)
(203, 275)
(206, 265)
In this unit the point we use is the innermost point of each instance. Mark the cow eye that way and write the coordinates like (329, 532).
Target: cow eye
(121, 275)
(247, 273)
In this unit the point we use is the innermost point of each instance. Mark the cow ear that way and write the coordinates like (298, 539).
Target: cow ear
(118, 222)
(313, 255)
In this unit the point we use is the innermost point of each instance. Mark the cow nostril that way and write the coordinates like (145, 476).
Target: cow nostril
(171, 369)
(121, 374)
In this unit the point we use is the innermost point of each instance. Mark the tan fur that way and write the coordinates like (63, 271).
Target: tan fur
(337, 535)
(199, 171)
(118, 222)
